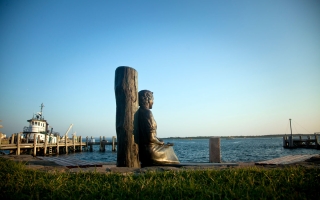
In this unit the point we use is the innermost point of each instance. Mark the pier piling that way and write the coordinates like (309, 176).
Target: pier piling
(290, 142)
(214, 150)
(18, 144)
(50, 147)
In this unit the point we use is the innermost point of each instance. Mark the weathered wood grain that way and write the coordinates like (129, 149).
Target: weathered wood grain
(126, 93)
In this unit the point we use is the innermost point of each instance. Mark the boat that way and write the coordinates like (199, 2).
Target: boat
(40, 127)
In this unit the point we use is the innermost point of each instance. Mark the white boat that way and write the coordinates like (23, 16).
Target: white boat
(39, 126)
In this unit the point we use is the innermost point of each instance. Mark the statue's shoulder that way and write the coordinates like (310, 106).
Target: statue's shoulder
(145, 112)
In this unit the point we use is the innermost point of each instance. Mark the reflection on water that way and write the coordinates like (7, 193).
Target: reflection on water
(197, 150)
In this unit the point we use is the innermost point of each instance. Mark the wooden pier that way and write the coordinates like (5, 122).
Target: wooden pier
(103, 142)
(301, 141)
(17, 145)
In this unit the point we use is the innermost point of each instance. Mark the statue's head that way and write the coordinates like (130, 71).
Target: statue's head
(146, 99)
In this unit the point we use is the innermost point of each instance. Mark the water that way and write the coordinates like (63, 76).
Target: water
(197, 150)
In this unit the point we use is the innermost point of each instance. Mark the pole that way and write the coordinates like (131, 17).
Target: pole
(126, 93)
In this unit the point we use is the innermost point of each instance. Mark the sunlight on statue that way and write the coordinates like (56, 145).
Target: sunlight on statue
(152, 151)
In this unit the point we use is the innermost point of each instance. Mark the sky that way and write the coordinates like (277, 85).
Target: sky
(216, 68)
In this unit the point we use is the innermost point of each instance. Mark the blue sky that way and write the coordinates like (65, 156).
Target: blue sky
(216, 68)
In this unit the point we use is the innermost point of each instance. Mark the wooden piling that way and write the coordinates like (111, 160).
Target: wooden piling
(45, 144)
(214, 150)
(104, 144)
(126, 93)
(290, 141)
(284, 142)
(100, 149)
(74, 146)
(34, 145)
(12, 139)
(66, 143)
(91, 148)
(18, 144)
(87, 143)
(58, 141)
(80, 138)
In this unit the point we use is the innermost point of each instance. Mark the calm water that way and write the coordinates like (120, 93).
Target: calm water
(197, 150)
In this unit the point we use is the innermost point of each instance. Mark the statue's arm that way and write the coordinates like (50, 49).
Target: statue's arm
(154, 139)
(153, 130)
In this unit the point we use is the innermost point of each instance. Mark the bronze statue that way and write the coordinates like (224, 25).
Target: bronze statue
(152, 151)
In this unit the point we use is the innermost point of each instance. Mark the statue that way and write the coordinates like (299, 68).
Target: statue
(152, 151)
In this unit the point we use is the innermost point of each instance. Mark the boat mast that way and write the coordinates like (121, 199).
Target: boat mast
(41, 108)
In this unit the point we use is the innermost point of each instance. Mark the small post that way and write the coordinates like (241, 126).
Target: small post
(34, 145)
(104, 144)
(113, 143)
(80, 138)
(91, 148)
(27, 138)
(100, 144)
(315, 138)
(290, 141)
(45, 144)
(18, 144)
(284, 142)
(74, 145)
(87, 143)
(214, 150)
(12, 139)
(58, 141)
(66, 143)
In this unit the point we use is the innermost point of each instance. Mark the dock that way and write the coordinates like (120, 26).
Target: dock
(18, 145)
(290, 159)
(301, 141)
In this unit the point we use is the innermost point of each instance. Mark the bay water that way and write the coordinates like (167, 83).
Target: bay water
(197, 150)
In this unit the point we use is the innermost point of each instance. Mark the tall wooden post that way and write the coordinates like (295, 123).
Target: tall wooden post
(12, 139)
(80, 138)
(45, 144)
(34, 144)
(87, 143)
(18, 144)
(73, 142)
(214, 150)
(100, 144)
(126, 92)
(66, 143)
(58, 141)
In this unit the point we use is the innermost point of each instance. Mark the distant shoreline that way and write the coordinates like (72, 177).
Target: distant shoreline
(232, 137)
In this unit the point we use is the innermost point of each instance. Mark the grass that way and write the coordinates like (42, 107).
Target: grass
(17, 182)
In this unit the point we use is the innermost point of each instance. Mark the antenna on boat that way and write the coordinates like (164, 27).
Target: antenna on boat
(41, 109)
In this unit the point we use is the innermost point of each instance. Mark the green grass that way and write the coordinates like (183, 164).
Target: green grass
(17, 182)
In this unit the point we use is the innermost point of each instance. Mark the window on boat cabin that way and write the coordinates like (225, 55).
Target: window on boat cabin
(32, 123)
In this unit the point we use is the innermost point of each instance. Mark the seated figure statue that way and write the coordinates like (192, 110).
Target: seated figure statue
(152, 151)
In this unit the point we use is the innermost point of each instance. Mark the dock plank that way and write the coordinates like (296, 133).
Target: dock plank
(286, 160)
(70, 162)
